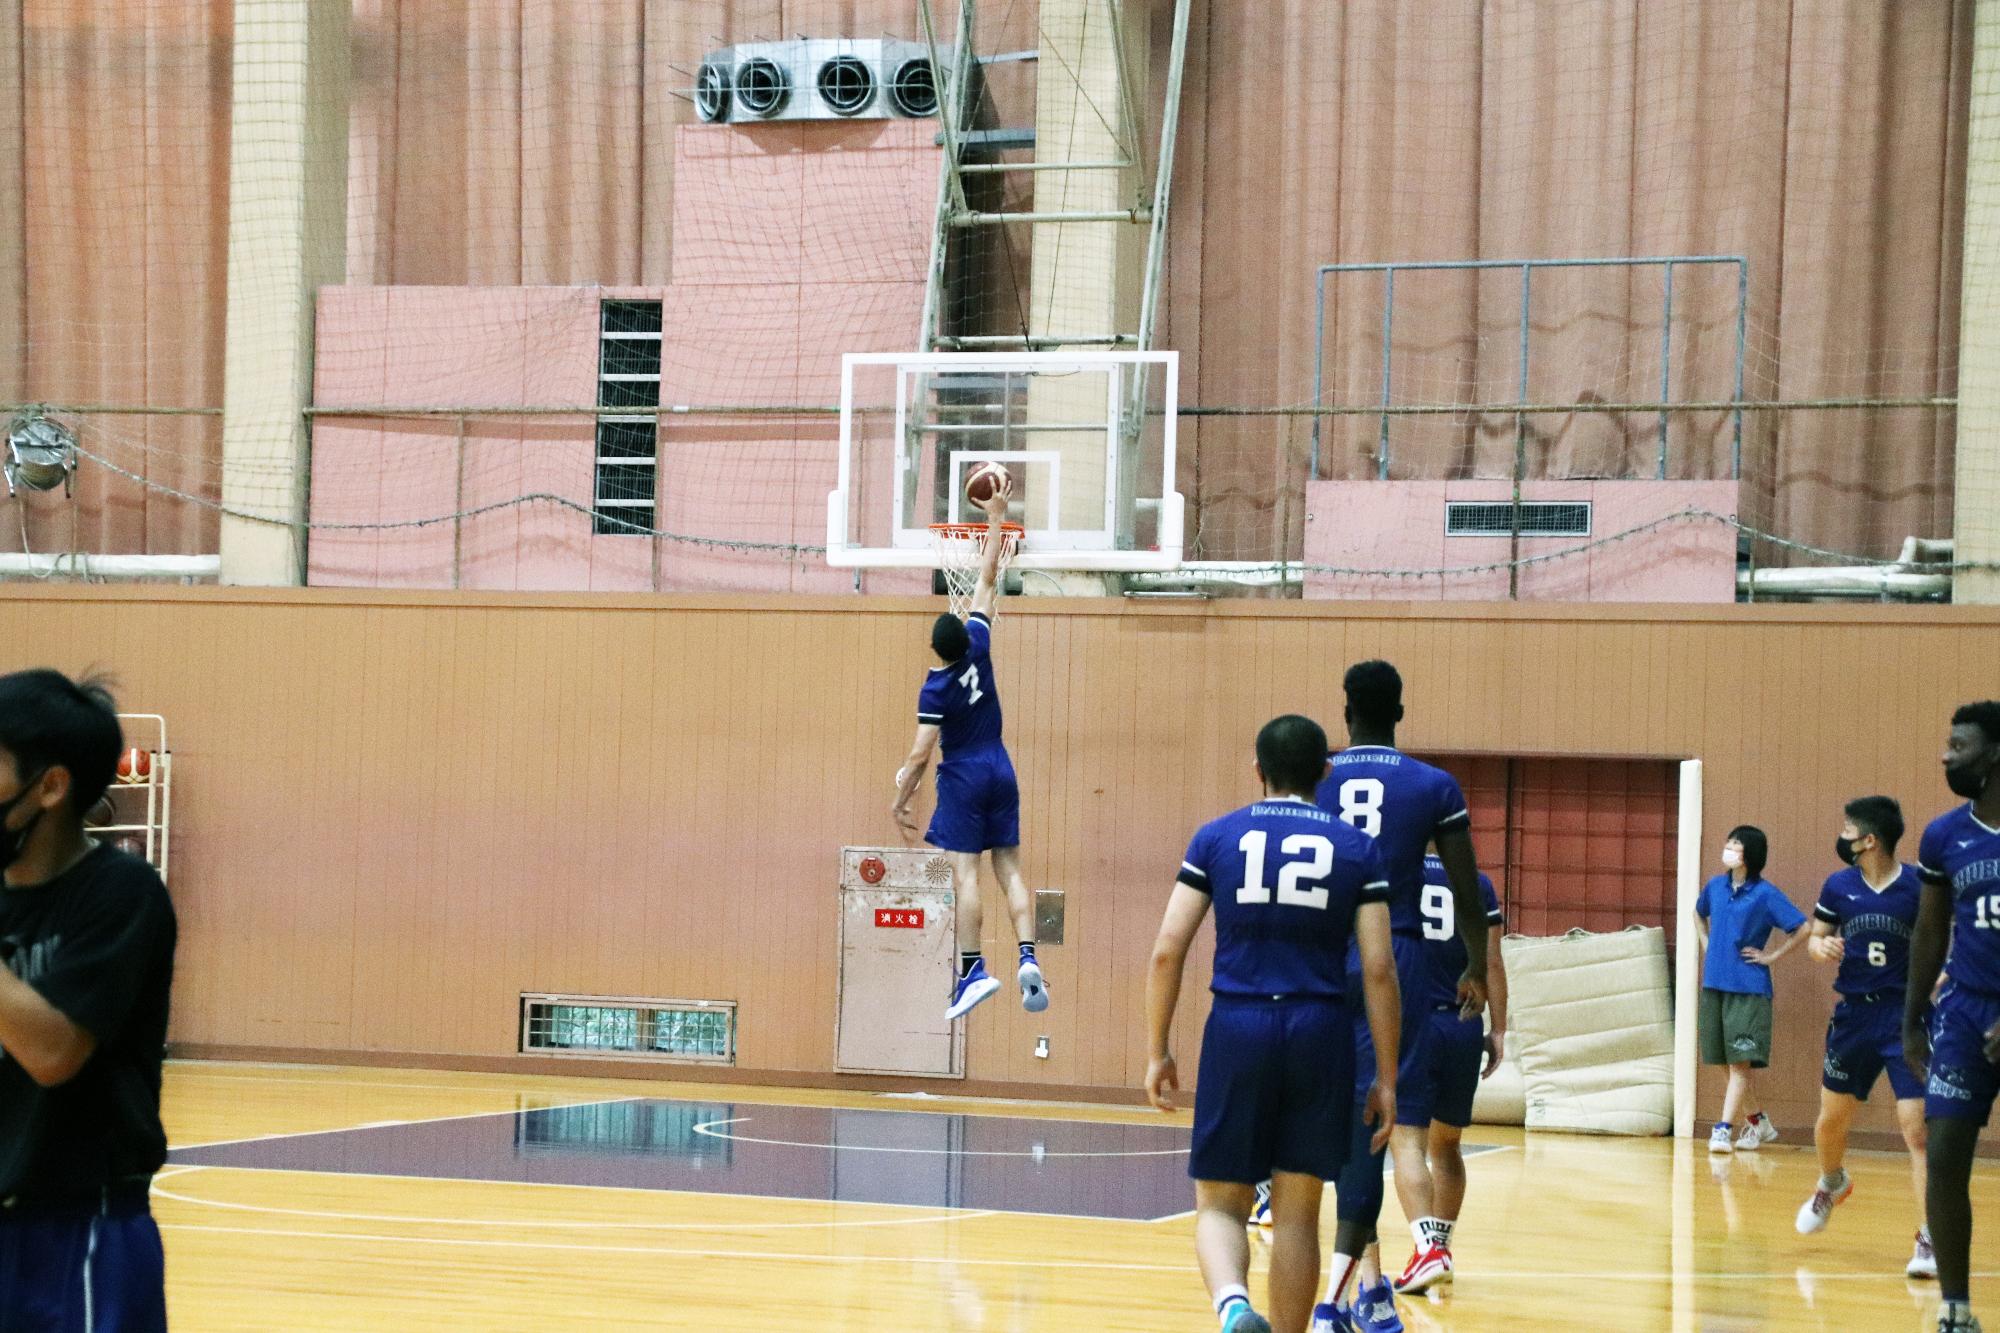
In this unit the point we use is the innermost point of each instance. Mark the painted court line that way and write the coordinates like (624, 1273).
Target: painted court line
(384, 1124)
(706, 1129)
(567, 1224)
(961, 1261)
(956, 1216)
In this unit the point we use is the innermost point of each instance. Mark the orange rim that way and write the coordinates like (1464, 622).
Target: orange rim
(961, 530)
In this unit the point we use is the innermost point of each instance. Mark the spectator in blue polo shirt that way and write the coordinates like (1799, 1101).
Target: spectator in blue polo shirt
(1734, 918)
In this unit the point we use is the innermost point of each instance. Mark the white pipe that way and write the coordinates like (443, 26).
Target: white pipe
(1918, 549)
(1858, 581)
(1244, 573)
(112, 566)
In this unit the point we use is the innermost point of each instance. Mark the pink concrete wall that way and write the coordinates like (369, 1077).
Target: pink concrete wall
(792, 245)
(1399, 525)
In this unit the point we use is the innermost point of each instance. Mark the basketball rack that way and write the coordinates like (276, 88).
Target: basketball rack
(142, 805)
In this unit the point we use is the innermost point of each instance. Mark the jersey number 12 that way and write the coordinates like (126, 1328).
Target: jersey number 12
(1316, 847)
(971, 682)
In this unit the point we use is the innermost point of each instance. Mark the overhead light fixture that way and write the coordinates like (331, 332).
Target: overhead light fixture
(41, 453)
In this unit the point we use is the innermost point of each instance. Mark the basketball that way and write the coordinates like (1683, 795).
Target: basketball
(135, 765)
(985, 479)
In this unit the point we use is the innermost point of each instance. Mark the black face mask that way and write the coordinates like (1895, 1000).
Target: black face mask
(15, 841)
(1967, 780)
(1844, 849)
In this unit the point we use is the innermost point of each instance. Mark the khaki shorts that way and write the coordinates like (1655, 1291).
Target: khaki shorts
(1734, 1028)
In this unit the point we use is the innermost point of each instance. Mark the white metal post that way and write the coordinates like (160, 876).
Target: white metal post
(1687, 961)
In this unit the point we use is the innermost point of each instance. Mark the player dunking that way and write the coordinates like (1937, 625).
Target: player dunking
(1291, 886)
(1959, 859)
(1406, 806)
(1863, 922)
(978, 801)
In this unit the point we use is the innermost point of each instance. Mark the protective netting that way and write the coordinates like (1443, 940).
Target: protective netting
(521, 182)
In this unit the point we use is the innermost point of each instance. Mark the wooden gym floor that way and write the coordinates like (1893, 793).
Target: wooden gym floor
(347, 1199)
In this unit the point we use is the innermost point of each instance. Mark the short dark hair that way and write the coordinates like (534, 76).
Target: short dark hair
(49, 721)
(1374, 693)
(1879, 815)
(948, 637)
(1292, 752)
(1985, 716)
(1756, 848)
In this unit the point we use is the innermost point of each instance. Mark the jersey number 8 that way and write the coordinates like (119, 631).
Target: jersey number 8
(1361, 804)
(1317, 848)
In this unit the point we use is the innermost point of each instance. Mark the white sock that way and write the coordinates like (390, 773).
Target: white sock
(1425, 1232)
(1444, 1225)
(1339, 1268)
(1834, 1181)
(1229, 1296)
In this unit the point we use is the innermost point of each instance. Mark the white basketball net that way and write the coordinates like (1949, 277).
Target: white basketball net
(960, 548)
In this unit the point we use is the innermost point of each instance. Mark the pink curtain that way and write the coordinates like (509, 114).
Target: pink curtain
(114, 256)
(509, 142)
(1823, 143)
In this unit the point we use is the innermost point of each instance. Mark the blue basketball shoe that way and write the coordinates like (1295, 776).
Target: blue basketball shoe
(1330, 1319)
(1374, 1310)
(971, 990)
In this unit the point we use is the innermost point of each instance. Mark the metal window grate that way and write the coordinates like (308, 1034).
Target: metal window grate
(1539, 518)
(702, 1031)
(628, 375)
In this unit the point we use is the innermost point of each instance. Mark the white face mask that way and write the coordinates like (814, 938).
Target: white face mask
(1731, 858)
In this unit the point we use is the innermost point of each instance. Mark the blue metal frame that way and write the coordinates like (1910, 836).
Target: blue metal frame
(1527, 267)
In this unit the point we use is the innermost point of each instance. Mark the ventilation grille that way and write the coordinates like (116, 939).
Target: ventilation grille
(702, 1031)
(1539, 518)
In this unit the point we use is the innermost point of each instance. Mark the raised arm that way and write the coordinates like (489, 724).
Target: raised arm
(987, 593)
(1461, 868)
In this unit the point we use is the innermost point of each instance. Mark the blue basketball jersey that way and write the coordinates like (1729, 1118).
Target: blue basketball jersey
(1444, 950)
(1286, 879)
(1875, 927)
(963, 700)
(1403, 804)
(1962, 854)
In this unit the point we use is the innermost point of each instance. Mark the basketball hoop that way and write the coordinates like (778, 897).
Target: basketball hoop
(960, 548)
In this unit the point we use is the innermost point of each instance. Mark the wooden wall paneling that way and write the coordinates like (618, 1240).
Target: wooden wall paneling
(398, 810)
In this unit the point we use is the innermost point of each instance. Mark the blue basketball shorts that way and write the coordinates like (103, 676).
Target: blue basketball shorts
(82, 1268)
(1864, 1039)
(1963, 1081)
(1275, 1090)
(978, 803)
(1413, 1063)
(1456, 1051)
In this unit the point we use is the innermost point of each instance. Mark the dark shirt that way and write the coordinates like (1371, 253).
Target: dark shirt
(97, 942)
